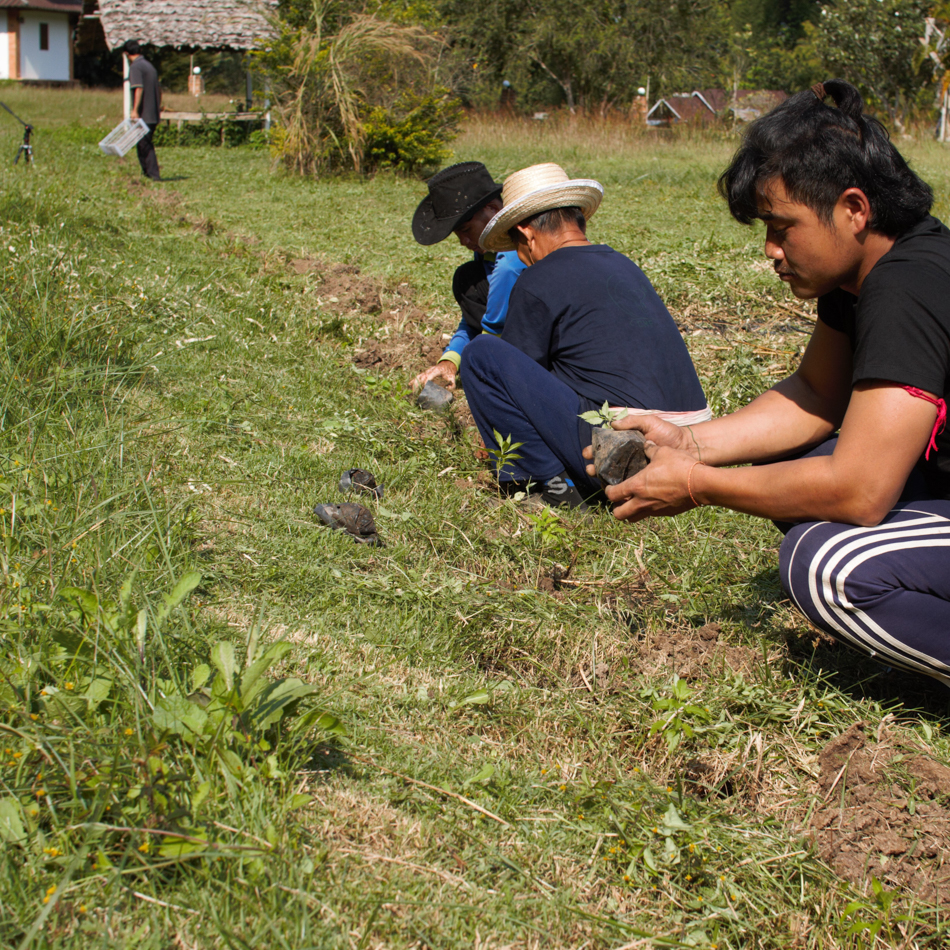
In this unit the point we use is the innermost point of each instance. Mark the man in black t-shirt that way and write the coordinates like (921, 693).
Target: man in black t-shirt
(867, 511)
(146, 105)
(558, 355)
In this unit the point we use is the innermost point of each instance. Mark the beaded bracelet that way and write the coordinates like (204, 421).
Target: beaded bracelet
(689, 487)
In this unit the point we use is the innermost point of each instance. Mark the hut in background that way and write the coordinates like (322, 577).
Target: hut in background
(185, 25)
(36, 39)
(706, 105)
(182, 24)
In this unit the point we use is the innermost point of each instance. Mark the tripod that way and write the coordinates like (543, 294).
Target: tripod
(25, 149)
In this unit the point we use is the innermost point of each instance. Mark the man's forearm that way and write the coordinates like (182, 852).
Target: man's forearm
(811, 489)
(137, 101)
(787, 418)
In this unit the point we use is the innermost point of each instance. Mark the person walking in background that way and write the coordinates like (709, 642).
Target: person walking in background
(146, 105)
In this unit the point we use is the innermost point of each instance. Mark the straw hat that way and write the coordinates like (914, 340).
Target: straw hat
(535, 189)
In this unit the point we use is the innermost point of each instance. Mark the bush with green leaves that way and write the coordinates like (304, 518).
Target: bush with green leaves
(411, 136)
(227, 133)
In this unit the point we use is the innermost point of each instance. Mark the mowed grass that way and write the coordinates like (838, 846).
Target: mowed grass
(519, 760)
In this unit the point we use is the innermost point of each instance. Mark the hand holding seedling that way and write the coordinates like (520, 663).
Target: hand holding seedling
(667, 486)
(443, 373)
(664, 486)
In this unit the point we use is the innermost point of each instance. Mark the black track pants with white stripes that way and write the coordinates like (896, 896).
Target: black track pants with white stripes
(885, 590)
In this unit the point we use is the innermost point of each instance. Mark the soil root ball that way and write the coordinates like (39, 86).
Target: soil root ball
(433, 396)
(354, 519)
(618, 455)
(358, 479)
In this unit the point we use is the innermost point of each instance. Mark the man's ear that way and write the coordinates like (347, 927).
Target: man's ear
(854, 202)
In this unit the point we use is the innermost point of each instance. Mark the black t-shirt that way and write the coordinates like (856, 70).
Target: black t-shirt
(590, 316)
(142, 73)
(899, 325)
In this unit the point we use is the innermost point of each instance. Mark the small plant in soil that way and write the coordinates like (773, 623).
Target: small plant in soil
(505, 452)
(603, 417)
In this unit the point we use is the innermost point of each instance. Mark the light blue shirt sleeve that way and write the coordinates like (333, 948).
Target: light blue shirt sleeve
(463, 335)
(500, 281)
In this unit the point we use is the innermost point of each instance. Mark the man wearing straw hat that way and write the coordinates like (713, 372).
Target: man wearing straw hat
(584, 327)
(462, 199)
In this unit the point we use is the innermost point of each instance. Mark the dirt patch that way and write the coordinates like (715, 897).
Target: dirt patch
(884, 814)
(691, 654)
(399, 344)
(341, 288)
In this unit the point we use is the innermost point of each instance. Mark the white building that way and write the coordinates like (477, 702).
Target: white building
(36, 39)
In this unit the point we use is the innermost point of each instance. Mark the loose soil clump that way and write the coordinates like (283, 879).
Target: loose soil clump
(692, 653)
(884, 814)
(341, 288)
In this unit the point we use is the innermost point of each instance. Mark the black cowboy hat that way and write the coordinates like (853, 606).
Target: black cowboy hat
(455, 194)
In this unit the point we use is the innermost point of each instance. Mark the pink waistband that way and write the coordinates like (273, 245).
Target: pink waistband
(677, 418)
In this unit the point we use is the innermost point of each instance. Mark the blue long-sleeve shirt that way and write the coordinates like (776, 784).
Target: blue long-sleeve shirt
(502, 274)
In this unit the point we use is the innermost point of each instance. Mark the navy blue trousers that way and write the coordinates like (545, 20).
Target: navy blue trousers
(509, 392)
(884, 590)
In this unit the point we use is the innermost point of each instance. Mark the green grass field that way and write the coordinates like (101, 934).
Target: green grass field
(226, 726)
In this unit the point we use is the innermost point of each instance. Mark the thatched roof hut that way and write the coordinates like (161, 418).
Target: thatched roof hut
(186, 24)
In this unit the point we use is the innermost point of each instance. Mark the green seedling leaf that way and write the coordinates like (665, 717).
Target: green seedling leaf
(98, 690)
(673, 821)
(178, 593)
(479, 698)
(178, 849)
(276, 698)
(11, 821)
(85, 600)
(199, 675)
(299, 801)
(482, 775)
(177, 715)
(73, 643)
(321, 720)
(231, 762)
(649, 860)
(251, 683)
(201, 794)
(222, 656)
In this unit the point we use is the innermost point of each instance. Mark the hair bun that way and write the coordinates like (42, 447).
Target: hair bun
(845, 97)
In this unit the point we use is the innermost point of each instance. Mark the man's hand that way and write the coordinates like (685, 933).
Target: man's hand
(662, 488)
(655, 430)
(443, 373)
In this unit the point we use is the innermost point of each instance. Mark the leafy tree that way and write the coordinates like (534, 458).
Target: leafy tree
(874, 44)
(595, 54)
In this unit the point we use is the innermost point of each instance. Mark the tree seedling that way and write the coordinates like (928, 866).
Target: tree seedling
(603, 417)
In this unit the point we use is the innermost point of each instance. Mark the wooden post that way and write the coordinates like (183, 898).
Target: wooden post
(14, 40)
(942, 136)
(126, 88)
(250, 84)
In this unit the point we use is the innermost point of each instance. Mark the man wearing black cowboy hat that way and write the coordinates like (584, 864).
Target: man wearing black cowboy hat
(462, 200)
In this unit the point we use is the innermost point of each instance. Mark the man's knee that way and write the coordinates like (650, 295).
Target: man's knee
(797, 558)
(478, 357)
